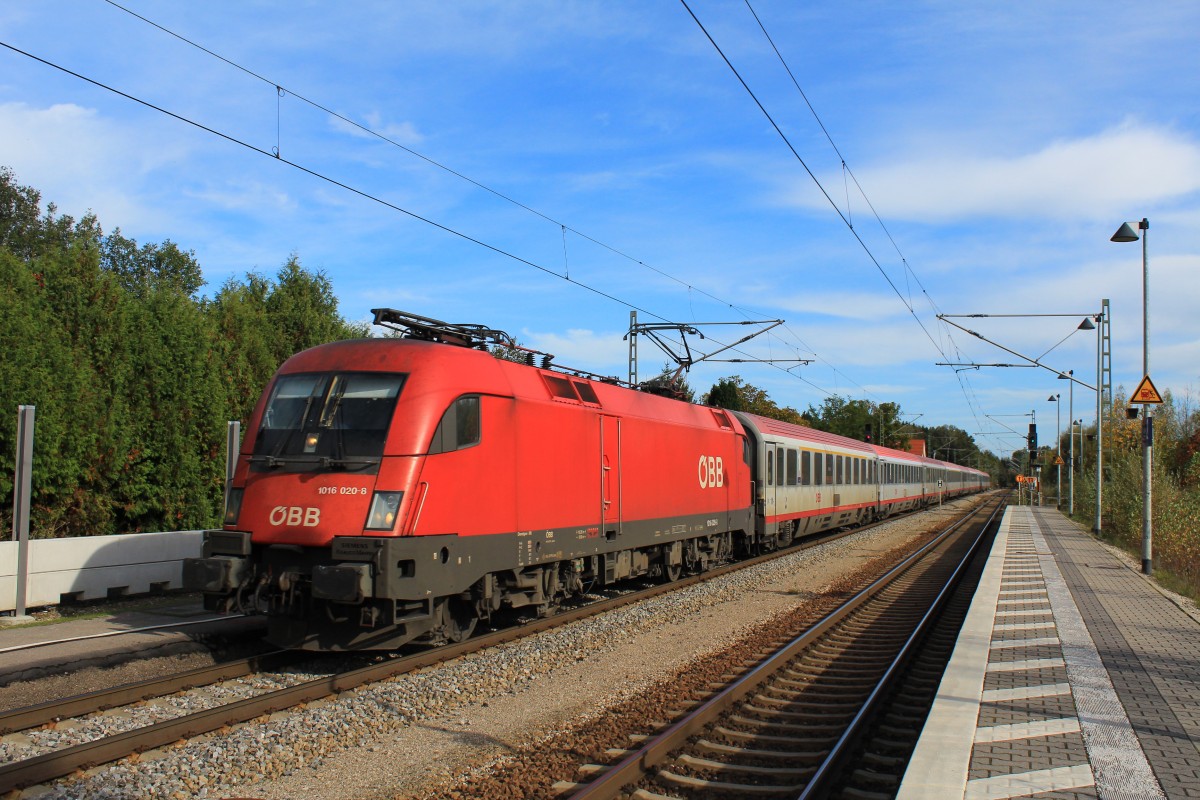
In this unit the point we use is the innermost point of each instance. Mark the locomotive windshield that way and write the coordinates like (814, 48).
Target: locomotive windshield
(332, 420)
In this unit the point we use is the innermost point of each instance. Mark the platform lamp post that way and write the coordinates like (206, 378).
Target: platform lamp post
(1126, 233)
(1067, 376)
(1087, 325)
(1055, 398)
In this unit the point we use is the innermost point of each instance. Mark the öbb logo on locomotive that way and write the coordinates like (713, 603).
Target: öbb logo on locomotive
(404, 489)
(295, 516)
(712, 472)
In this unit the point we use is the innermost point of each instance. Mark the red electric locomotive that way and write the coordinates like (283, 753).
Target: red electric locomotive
(396, 489)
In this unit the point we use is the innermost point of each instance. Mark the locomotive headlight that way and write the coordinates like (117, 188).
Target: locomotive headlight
(384, 506)
(233, 506)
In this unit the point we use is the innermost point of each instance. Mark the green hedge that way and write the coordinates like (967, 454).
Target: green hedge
(133, 373)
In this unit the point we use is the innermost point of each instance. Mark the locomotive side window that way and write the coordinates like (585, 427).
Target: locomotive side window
(460, 426)
(467, 424)
(791, 467)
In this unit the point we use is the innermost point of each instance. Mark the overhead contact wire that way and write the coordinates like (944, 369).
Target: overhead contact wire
(333, 181)
(862, 192)
(450, 170)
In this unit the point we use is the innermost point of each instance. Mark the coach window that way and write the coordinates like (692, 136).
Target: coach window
(770, 466)
(781, 465)
(857, 472)
(829, 468)
(791, 467)
(806, 468)
(818, 468)
(838, 475)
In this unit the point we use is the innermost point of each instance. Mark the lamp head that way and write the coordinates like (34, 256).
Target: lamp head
(1125, 233)
(1086, 325)
(1052, 398)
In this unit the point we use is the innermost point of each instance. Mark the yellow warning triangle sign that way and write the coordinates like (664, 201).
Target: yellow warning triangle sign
(1059, 462)
(1146, 393)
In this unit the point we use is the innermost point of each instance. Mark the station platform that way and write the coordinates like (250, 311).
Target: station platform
(172, 626)
(1074, 676)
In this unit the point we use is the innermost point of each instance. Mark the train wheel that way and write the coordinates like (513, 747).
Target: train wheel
(671, 572)
(458, 619)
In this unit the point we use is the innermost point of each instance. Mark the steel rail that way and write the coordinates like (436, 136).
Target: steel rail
(656, 750)
(50, 766)
(124, 632)
(828, 771)
(19, 719)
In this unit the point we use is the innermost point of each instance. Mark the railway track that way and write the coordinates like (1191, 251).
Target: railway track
(48, 766)
(788, 724)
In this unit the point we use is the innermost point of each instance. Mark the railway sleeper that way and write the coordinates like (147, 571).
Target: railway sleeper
(799, 735)
(765, 738)
(883, 761)
(819, 720)
(826, 691)
(743, 769)
(882, 780)
(810, 706)
(830, 670)
(794, 756)
(708, 786)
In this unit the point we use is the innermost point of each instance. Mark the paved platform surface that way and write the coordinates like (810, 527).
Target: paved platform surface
(169, 627)
(1073, 677)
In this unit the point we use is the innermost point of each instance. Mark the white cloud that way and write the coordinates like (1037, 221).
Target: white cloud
(250, 196)
(1130, 165)
(404, 133)
(81, 160)
(583, 349)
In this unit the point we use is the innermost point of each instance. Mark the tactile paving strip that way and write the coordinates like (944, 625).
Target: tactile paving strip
(1026, 707)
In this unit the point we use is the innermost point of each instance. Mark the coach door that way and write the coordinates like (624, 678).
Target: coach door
(772, 480)
(610, 475)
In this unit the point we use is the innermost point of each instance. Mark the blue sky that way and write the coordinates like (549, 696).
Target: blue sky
(1000, 145)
